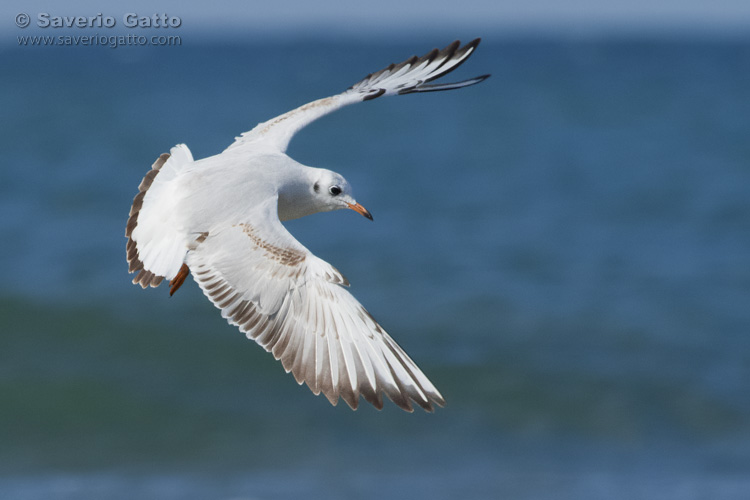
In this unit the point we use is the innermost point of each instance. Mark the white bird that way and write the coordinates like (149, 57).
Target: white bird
(221, 218)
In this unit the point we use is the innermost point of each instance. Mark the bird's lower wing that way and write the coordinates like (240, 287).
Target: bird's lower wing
(410, 76)
(294, 305)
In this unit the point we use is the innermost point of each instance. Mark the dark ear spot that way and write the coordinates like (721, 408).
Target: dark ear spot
(316, 187)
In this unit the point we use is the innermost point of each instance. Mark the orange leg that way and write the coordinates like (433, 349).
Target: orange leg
(178, 280)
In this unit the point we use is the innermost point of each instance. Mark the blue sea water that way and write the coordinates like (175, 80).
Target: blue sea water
(563, 249)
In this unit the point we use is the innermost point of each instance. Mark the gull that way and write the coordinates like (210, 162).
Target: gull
(221, 219)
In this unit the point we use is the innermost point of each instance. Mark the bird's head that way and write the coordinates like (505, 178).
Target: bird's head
(331, 192)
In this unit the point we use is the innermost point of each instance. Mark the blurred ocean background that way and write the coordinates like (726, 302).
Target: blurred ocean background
(563, 249)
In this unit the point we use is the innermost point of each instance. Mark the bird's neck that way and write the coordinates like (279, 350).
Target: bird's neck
(295, 199)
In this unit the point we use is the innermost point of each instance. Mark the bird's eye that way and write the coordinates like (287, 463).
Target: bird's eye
(334, 190)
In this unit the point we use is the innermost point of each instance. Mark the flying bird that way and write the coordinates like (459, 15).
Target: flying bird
(220, 218)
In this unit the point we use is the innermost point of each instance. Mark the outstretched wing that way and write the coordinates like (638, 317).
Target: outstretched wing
(295, 306)
(410, 76)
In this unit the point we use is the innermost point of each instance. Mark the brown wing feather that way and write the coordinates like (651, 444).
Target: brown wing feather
(144, 278)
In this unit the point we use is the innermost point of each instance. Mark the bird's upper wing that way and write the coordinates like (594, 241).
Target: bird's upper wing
(412, 75)
(295, 306)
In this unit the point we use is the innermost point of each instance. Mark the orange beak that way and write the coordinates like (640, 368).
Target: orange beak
(360, 210)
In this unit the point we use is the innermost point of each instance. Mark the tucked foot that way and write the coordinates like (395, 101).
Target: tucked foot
(178, 280)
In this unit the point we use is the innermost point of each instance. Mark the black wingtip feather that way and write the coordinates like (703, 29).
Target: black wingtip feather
(450, 57)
